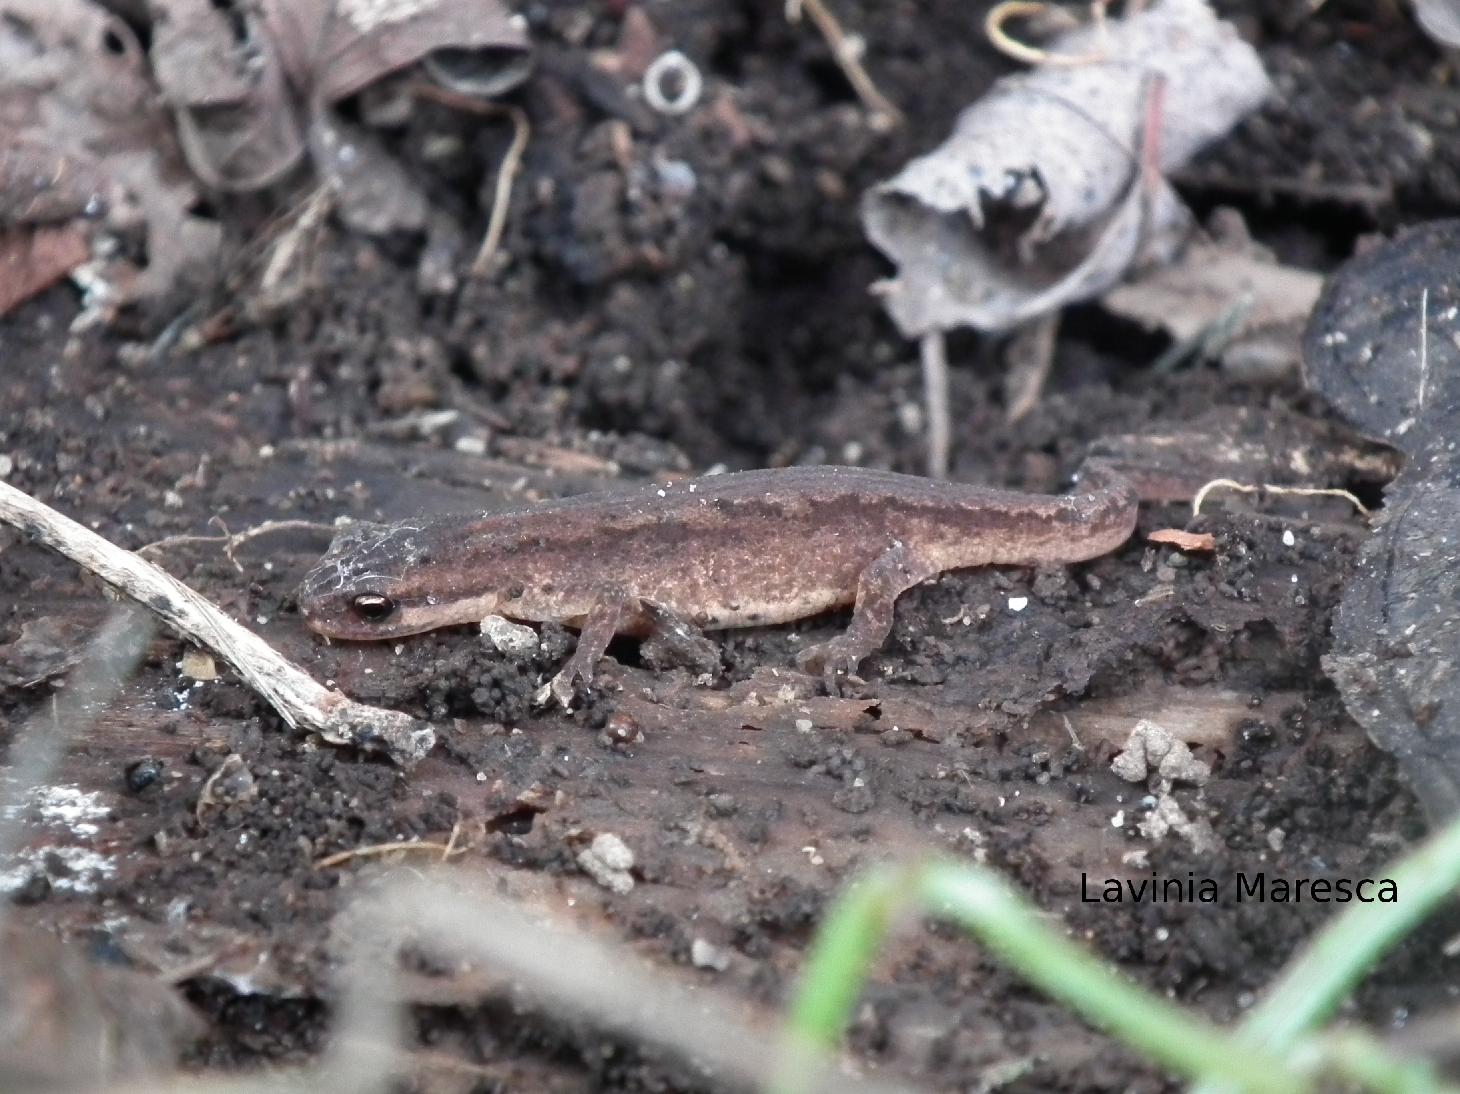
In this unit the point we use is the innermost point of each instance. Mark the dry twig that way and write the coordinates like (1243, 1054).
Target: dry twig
(846, 51)
(375, 850)
(934, 356)
(506, 173)
(231, 541)
(298, 698)
(1030, 356)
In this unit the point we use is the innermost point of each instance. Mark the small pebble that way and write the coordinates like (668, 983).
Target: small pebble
(608, 860)
(510, 638)
(704, 955)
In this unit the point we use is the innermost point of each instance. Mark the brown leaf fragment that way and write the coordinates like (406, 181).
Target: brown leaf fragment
(34, 259)
(46, 648)
(1183, 540)
(333, 48)
(374, 193)
(1231, 286)
(77, 103)
(254, 88)
(40, 184)
(236, 120)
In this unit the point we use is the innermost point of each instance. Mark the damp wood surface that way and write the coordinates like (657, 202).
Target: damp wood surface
(737, 330)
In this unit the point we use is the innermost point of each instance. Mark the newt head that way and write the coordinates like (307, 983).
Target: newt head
(371, 585)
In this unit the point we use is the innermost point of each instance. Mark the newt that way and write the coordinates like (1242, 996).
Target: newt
(747, 548)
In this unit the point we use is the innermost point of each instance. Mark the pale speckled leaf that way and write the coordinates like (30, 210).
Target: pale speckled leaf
(1035, 200)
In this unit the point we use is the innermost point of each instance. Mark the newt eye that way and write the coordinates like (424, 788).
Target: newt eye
(373, 608)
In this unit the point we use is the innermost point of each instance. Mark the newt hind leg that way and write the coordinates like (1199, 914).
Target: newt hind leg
(675, 641)
(890, 575)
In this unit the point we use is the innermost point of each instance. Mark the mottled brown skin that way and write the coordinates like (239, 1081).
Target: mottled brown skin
(754, 547)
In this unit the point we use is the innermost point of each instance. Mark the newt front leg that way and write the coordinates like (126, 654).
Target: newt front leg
(608, 617)
(619, 613)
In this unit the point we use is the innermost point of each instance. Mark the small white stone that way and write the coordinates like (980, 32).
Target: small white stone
(704, 955)
(510, 638)
(1151, 747)
(471, 444)
(1018, 603)
(608, 860)
(1289, 539)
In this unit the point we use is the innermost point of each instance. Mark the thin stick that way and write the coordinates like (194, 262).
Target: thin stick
(934, 355)
(845, 53)
(1030, 356)
(1260, 488)
(298, 699)
(506, 173)
(374, 850)
(290, 245)
(233, 540)
(497, 222)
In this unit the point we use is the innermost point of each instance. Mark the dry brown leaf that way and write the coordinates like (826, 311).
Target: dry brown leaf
(254, 88)
(1226, 279)
(34, 259)
(237, 122)
(74, 91)
(333, 48)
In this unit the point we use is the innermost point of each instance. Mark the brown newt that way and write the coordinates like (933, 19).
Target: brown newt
(733, 550)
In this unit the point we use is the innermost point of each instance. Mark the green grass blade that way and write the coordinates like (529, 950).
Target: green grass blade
(1319, 979)
(1013, 929)
(842, 954)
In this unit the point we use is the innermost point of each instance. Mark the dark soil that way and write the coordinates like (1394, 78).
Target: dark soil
(645, 327)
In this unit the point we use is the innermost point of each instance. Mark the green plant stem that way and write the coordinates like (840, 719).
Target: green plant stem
(842, 954)
(1357, 1057)
(1012, 928)
(1319, 979)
